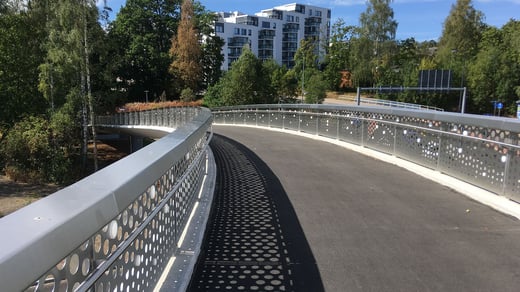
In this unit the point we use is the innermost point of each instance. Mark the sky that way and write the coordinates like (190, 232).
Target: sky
(420, 19)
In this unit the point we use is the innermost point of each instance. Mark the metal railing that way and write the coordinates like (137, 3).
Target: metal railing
(116, 229)
(483, 151)
(390, 103)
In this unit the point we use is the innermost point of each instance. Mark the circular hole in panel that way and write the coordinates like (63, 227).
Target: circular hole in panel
(85, 266)
(137, 261)
(84, 246)
(131, 222)
(152, 192)
(75, 287)
(114, 272)
(74, 264)
(135, 208)
(125, 217)
(106, 247)
(119, 233)
(112, 229)
(61, 265)
(49, 284)
(97, 243)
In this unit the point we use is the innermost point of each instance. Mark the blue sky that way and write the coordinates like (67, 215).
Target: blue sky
(421, 19)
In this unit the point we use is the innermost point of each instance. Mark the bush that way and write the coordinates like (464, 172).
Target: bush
(188, 95)
(31, 154)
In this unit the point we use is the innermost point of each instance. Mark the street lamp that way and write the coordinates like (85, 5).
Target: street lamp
(146, 92)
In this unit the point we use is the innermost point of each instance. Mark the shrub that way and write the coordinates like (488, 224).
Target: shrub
(31, 153)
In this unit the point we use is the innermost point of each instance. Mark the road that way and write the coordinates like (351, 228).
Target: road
(371, 226)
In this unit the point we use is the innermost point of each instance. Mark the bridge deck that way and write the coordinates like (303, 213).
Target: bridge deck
(295, 214)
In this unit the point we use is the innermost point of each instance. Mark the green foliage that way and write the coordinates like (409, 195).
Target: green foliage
(283, 82)
(495, 72)
(20, 55)
(339, 54)
(245, 83)
(31, 153)
(213, 97)
(461, 34)
(315, 90)
(140, 39)
(377, 22)
(188, 95)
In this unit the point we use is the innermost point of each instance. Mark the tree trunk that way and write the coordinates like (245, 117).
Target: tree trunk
(89, 90)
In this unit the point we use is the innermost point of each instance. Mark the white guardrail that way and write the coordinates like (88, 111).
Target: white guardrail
(118, 229)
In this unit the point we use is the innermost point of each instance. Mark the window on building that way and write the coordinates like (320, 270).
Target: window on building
(318, 13)
(266, 24)
(237, 30)
(244, 31)
(310, 12)
(249, 32)
(290, 18)
(297, 19)
(219, 27)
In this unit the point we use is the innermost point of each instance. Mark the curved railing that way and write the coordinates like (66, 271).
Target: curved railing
(117, 229)
(483, 151)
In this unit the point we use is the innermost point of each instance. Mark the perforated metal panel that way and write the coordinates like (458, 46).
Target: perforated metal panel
(129, 253)
(480, 150)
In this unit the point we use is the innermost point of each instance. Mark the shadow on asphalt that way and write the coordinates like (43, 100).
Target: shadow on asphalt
(254, 241)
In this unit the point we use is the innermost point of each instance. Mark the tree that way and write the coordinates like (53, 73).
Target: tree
(140, 40)
(339, 54)
(245, 83)
(20, 55)
(185, 49)
(377, 24)
(316, 89)
(312, 84)
(212, 57)
(495, 72)
(461, 33)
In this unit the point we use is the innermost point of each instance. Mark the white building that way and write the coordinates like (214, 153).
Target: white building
(273, 33)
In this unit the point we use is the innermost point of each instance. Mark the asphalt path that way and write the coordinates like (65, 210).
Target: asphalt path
(372, 226)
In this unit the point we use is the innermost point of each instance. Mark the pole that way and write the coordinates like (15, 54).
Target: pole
(303, 80)
(462, 108)
(358, 96)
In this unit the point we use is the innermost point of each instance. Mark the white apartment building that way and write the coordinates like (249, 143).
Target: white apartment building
(273, 33)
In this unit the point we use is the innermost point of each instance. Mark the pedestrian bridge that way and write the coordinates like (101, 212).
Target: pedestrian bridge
(289, 213)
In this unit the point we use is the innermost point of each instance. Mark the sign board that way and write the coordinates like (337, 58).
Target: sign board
(435, 79)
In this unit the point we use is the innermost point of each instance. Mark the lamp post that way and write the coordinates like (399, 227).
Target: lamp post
(146, 93)
(303, 80)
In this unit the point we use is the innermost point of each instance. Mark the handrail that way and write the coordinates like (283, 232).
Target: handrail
(118, 227)
(481, 150)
